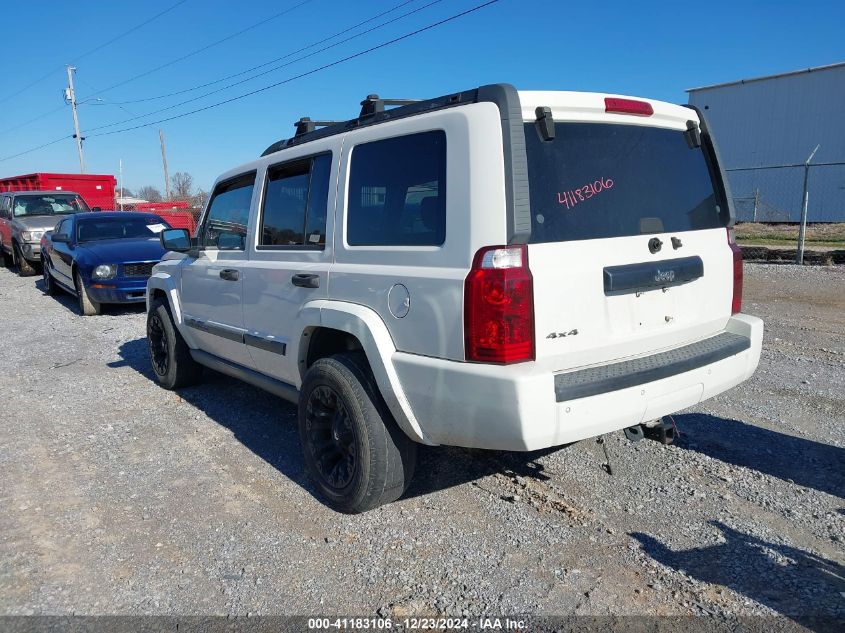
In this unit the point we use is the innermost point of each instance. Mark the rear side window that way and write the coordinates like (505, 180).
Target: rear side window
(397, 192)
(228, 214)
(599, 180)
(296, 204)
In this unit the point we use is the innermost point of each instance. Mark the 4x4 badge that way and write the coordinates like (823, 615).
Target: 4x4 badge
(562, 334)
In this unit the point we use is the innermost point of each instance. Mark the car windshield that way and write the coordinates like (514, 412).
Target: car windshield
(100, 228)
(52, 204)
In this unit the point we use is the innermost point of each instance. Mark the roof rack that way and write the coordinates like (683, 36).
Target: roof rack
(372, 111)
(374, 104)
(305, 125)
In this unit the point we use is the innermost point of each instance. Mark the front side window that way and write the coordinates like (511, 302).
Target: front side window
(228, 215)
(397, 192)
(53, 204)
(64, 227)
(295, 204)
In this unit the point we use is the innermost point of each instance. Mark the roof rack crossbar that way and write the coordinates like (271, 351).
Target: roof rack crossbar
(374, 104)
(306, 129)
(305, 125)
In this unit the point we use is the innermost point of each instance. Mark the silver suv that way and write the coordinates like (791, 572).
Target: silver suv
(25, 216)
(492, 268)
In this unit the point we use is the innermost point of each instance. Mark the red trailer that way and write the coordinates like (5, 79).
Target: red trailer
(175, 212)
(96, 189)
(155, 207)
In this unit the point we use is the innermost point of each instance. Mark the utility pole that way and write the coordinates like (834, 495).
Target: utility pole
(70, 96)
(756, 201)
(802, 230)
(121, 184)
(164, 162)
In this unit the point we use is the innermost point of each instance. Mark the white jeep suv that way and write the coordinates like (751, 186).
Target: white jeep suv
(492, 268)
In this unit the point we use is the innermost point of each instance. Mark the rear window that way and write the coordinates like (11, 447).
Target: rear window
(600, 180)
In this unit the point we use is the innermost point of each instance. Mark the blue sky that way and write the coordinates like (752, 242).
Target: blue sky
(640, 48)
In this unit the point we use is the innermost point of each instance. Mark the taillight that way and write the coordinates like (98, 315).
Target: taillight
(628, 106)
(499, 306)
(736, 302)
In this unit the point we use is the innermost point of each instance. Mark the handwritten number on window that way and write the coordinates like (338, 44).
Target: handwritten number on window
(572, 197)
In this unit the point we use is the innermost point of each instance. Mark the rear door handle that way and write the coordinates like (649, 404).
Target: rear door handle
(304, 280)
(230, 274)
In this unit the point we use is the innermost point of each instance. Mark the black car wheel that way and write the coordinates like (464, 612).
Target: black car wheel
(170, 356)
(49, 285)
(352, 447)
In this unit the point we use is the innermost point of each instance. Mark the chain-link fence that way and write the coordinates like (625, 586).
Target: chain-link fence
(775, 193)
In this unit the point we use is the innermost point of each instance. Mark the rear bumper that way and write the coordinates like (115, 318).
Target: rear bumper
(520, 408)
(118, 292)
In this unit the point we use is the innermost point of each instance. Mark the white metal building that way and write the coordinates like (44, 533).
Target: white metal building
(778, 120)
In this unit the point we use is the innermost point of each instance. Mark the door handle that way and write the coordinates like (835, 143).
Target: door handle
(229, 274)
(304, 280)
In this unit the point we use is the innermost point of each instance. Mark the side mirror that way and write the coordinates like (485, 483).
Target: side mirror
(178, 240)
(96, 208)
(61, 237)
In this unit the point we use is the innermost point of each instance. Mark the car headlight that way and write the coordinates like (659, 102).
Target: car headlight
(32, 236)
(105, 271)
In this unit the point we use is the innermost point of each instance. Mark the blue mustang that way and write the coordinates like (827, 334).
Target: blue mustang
(102, 257)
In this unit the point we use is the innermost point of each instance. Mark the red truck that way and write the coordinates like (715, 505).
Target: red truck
(98, 191)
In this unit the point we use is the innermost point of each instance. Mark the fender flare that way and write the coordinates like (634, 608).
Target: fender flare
(367, 326)
(166, 282)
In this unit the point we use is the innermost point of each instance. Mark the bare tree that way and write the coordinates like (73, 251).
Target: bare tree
(149, 193)
(199, 199)
(181, 185)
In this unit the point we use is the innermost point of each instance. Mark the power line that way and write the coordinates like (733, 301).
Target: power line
(35, 149)
(265, 72)
(205, 48)
(278, 83)
(305, 74)
(120, 104)
(277, 59)
(91, 52)
(32, 120)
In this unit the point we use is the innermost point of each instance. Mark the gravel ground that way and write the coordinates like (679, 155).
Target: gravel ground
(121, 498)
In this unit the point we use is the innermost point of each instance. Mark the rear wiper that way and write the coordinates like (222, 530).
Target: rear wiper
(693, 135)
(545, 123)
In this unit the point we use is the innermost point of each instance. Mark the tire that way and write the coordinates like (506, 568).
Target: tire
(170, 356)
(8, 259)
(25, 269)
(87, 307)
(353, 449)
(50, 287)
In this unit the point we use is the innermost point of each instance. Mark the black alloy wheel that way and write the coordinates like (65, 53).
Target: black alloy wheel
(157, 338)
(331, 438)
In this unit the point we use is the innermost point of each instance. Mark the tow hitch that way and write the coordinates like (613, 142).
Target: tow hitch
(661, 430)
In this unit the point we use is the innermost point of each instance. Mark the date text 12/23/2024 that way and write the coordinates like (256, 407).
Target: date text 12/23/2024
(418, 623)
(573, 197)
